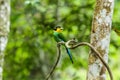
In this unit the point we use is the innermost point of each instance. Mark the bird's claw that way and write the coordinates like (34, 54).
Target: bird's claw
(60, 43)
(71, 43)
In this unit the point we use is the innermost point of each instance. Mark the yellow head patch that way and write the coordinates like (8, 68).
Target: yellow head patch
(59, 30)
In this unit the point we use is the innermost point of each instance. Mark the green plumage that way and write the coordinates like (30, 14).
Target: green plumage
(58, 36)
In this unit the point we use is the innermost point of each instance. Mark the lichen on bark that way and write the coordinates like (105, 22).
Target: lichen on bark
(100, 38)
(4, 29)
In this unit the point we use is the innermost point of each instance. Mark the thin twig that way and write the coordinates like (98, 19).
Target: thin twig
(58, 58)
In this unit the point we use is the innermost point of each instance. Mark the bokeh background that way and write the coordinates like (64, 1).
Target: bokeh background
(31, 49)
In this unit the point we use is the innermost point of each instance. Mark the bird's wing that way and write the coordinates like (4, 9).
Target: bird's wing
(60, 35)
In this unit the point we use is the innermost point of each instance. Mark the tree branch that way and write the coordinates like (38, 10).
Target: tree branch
(58, 58)
(72, 45)
(96, 53)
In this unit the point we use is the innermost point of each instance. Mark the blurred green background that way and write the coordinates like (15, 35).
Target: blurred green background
(31, 49)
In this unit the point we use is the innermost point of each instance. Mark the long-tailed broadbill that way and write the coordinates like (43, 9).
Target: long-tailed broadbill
(58, 36)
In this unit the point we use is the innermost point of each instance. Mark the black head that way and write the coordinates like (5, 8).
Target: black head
(58, 26)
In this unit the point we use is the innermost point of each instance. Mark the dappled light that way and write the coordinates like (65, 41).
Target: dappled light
(31, 50)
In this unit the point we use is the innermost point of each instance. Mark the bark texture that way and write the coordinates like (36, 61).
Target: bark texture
(4, 29)
(100, 38)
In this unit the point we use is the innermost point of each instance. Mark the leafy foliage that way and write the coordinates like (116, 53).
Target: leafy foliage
(31, 50)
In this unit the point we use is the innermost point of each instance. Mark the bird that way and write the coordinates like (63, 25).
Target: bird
(58, 36)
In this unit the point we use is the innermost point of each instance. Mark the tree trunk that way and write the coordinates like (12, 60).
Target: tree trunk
(4, 29)
(100, 38)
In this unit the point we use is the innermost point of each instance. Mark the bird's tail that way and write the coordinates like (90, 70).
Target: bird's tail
(69, 53)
